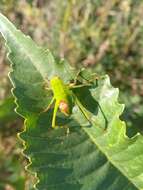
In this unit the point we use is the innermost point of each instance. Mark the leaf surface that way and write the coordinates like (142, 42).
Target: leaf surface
(81, 155)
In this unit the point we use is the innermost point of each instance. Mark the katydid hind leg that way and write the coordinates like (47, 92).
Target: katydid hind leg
(82, 109)
(79, 86)
(76, 77)
(88, 81)
(86, 84)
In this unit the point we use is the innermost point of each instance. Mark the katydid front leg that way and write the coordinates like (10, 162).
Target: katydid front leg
(56, 106)
(55, 113)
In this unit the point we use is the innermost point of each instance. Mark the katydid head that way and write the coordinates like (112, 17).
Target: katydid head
(64, 107)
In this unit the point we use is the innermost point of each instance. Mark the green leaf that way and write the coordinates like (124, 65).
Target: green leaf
(32, 66)
(81, 155)
(7, 113)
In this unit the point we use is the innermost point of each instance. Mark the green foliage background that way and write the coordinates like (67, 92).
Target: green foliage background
(104, 35)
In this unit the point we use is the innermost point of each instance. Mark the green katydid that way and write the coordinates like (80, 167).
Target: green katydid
(64, 98)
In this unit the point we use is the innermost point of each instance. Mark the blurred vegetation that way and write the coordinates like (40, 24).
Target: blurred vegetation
(104, 35)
